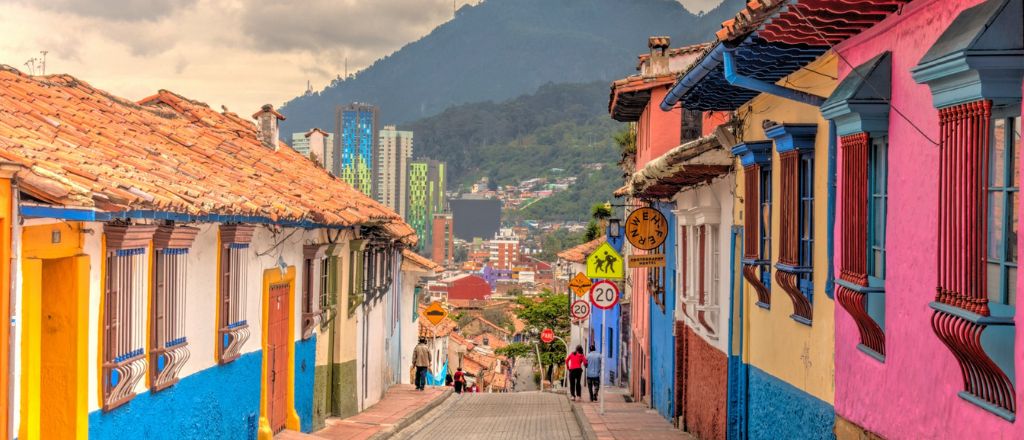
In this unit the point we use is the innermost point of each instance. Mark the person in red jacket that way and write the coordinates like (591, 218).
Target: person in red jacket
(460, 380)
(575, 363)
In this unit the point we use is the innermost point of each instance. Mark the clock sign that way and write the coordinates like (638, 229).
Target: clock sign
(646, 228)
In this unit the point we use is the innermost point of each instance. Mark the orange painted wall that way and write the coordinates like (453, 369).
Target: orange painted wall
(712, 120)
(657, 131)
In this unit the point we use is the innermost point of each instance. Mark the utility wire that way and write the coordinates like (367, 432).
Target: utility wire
(853, 70)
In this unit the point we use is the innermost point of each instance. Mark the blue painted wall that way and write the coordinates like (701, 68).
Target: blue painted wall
(221, 402)
(611, 322)
(663, 346)
(305, 365)
(780, 410)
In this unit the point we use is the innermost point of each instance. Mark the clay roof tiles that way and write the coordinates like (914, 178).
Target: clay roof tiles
(579, 253)
(84, 148)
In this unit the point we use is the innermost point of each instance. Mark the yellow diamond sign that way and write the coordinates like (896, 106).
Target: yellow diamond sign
(580, 284)
(605, 263)
(435, 313)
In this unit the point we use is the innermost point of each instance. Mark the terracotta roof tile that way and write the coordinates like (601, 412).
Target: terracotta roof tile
(579, 253)
(83, 147)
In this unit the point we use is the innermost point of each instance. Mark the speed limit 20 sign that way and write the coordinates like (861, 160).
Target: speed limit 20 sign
(580, 310)
(604, 295)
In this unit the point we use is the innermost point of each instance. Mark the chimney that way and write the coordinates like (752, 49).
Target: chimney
(658, 62)
(266, 124)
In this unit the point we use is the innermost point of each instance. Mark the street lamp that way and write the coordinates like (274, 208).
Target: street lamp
(613, 227)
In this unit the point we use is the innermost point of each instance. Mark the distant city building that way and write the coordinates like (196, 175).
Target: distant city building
(356, 145)
(316, 145)
(443, 241)
(463, 286)
(476, 218)
(504, 250)
(426, 197)
(392, 168)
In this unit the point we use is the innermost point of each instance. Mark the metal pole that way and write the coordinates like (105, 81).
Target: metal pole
(600, 380)
(540, 365)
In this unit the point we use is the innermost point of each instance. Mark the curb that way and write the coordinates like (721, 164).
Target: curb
(402, 423)
(581, 420)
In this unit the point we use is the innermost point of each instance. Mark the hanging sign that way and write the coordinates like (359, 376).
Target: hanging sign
(580, 284)
(648, 260)
(435, 313)
(580, 309)
(646, 228)
(604, 295)
(605, 263)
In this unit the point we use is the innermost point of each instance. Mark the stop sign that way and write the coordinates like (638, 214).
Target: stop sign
(547, 335)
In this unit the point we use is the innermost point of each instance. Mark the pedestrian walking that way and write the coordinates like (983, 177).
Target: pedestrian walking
(460, 380)
(593, 373)
(575, 363)
(421, 359)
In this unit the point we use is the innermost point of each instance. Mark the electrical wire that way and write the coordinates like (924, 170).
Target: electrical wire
(854, 71)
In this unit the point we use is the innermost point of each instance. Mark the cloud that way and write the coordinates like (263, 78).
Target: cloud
(696, 6)
(128, 10)
(315, 25)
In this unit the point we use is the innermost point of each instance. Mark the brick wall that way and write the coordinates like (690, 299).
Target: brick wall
(704, 391)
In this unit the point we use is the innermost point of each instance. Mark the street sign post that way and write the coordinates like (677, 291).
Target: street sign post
(547, 336)
(605, 263)
(580, 309)
(646, 228)
(435, 313)
(604, 295)
(580, 284)
(646, 260)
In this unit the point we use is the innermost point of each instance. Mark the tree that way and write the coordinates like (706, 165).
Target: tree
(593, 231)
(516, 350)
(626, 140)
(601, 212)
(548, 310)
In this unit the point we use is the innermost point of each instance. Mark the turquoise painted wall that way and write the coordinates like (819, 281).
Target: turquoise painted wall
(305, 369)
(663, 344)
(221, 402)
(779, 410)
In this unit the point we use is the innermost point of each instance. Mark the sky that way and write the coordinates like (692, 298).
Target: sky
(237, 53)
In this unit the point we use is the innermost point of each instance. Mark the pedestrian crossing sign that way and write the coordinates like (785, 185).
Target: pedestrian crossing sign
(605, 263)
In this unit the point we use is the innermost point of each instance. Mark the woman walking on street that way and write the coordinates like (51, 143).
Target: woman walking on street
(460, 380)
(575, 363)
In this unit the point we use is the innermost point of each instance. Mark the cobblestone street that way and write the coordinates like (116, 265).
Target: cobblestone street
(529, 415)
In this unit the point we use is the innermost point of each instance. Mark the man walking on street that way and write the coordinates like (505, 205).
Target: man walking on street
(421, 359)
(593, 373)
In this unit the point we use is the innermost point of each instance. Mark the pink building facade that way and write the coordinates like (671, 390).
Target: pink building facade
(938, 283)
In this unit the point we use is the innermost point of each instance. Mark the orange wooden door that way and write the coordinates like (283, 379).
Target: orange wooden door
(278, 347)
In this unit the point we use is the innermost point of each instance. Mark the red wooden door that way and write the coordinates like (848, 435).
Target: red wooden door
(278, 352)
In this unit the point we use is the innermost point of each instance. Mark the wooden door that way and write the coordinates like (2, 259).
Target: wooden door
(278, 356)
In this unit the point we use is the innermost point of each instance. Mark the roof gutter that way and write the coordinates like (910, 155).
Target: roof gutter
(92, 215)
(694, 76)
(746, 82)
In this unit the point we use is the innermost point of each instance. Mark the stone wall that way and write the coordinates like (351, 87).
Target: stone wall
(706, 389)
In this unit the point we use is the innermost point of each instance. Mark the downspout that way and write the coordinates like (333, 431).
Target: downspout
(830, 281)
(738, 374)
(746, 82)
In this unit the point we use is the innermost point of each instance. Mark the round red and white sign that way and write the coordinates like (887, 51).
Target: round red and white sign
(604, 295)
(579, 310)
(547, 335)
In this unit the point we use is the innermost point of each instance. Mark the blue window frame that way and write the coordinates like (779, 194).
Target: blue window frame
(1003, 186)
(806, 219)
(765, 193)
(878, 202)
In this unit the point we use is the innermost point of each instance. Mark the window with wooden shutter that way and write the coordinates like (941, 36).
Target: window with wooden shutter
(757, 211)
(233, 328)
(124, 311)
(169, 346)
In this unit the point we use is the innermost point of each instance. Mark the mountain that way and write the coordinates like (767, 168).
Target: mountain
(501, 49)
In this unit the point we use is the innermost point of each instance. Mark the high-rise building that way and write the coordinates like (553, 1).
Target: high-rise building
(504, 250)
(443, 240)
(426, 197)
(476, 218)
(316, 145)
(356, 145)
(392, 168)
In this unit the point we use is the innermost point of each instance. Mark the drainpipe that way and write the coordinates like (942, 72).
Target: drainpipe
(830, 281)
(746, 82)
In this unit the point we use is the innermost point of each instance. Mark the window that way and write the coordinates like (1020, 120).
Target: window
(311, 304)
(756, 158)
(234, 255)
(124, 312)
(699, 257)
(707, 310)
(765, 192)
(806, 257)
(169, 346)
(1002, 213)
(878, 197)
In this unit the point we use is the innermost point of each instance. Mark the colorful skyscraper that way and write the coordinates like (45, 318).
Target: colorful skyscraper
(392, 171)
(426, 197)
(356, 145)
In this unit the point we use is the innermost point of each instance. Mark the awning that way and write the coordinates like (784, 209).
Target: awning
(689, 164)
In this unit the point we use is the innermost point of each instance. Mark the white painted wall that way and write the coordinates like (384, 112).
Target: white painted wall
(697, 206)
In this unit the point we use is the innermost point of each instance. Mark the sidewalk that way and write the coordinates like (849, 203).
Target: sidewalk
(401, 405)
(626, 421)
